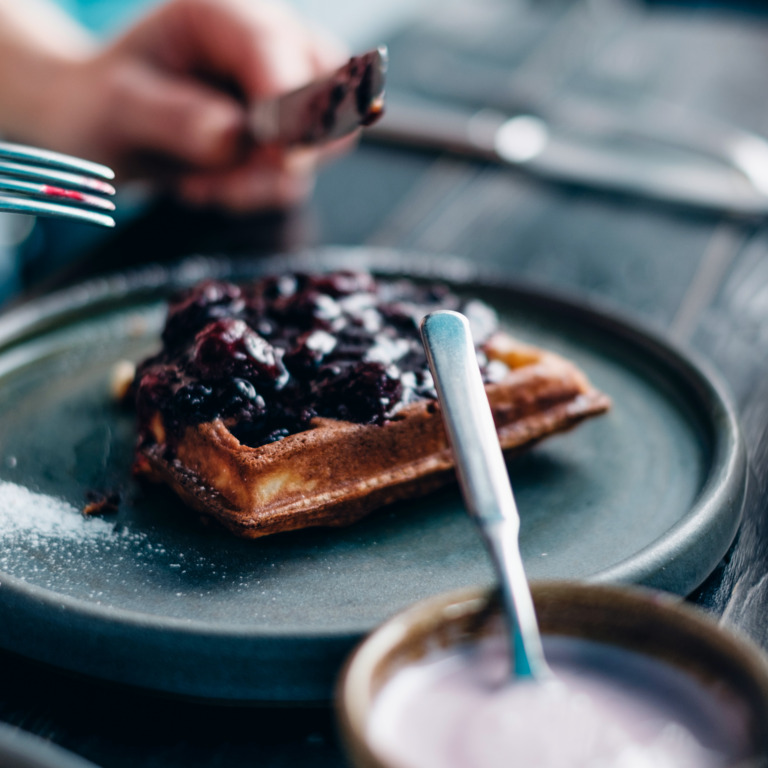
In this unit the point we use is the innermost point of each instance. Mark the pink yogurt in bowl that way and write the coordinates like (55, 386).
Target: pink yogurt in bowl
(639, 682)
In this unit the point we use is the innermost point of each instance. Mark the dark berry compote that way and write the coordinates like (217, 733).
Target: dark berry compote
(270, 356)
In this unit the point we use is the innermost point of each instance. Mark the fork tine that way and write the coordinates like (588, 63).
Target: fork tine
(60, 178)
(23, 153)
(28, 206)
(59, 194)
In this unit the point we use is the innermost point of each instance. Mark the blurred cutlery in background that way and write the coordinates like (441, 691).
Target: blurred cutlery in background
(326, 109)
(44, 183)
(696, 163)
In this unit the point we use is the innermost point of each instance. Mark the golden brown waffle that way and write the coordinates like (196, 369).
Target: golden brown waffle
(337, 471)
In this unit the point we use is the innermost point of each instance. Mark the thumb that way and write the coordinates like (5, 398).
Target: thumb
(178, 116)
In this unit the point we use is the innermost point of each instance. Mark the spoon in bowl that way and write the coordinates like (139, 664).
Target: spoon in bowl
(483, 477)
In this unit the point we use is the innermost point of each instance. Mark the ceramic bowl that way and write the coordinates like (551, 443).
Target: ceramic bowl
(638, 620)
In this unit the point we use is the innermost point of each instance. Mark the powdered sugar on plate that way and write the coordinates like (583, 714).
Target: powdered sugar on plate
(49, 518)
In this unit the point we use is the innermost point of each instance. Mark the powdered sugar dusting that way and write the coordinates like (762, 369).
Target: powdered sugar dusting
(23, 510)
(46, 541)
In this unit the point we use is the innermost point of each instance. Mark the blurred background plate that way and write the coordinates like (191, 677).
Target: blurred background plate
(23, 750)
(650, 493)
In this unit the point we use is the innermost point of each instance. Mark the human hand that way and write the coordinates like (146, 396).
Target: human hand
(168, 100)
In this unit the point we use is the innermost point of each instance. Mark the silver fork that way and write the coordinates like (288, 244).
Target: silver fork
(47, 183)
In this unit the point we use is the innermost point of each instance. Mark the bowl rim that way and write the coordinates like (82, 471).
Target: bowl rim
(634, 614)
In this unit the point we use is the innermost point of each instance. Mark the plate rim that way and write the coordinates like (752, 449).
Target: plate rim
(23, 749)
(650, 566)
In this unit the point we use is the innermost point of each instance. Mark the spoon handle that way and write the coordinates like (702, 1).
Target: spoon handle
(483, 475)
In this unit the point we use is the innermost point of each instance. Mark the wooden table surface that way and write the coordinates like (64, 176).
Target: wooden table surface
(699, 279)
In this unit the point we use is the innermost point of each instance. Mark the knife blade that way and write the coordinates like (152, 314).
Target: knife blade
(643, 166)
(326, 109)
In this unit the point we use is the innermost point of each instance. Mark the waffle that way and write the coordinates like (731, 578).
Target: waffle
(335, 471)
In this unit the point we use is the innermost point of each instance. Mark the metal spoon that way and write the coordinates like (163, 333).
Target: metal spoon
(483, 476)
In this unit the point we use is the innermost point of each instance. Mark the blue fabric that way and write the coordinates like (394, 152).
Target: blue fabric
(105, 17)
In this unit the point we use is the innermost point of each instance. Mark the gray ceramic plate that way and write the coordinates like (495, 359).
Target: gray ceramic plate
(650, 493)
(19, 749)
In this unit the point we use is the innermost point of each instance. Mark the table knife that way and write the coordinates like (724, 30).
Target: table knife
(733, 180)
(325, 109)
